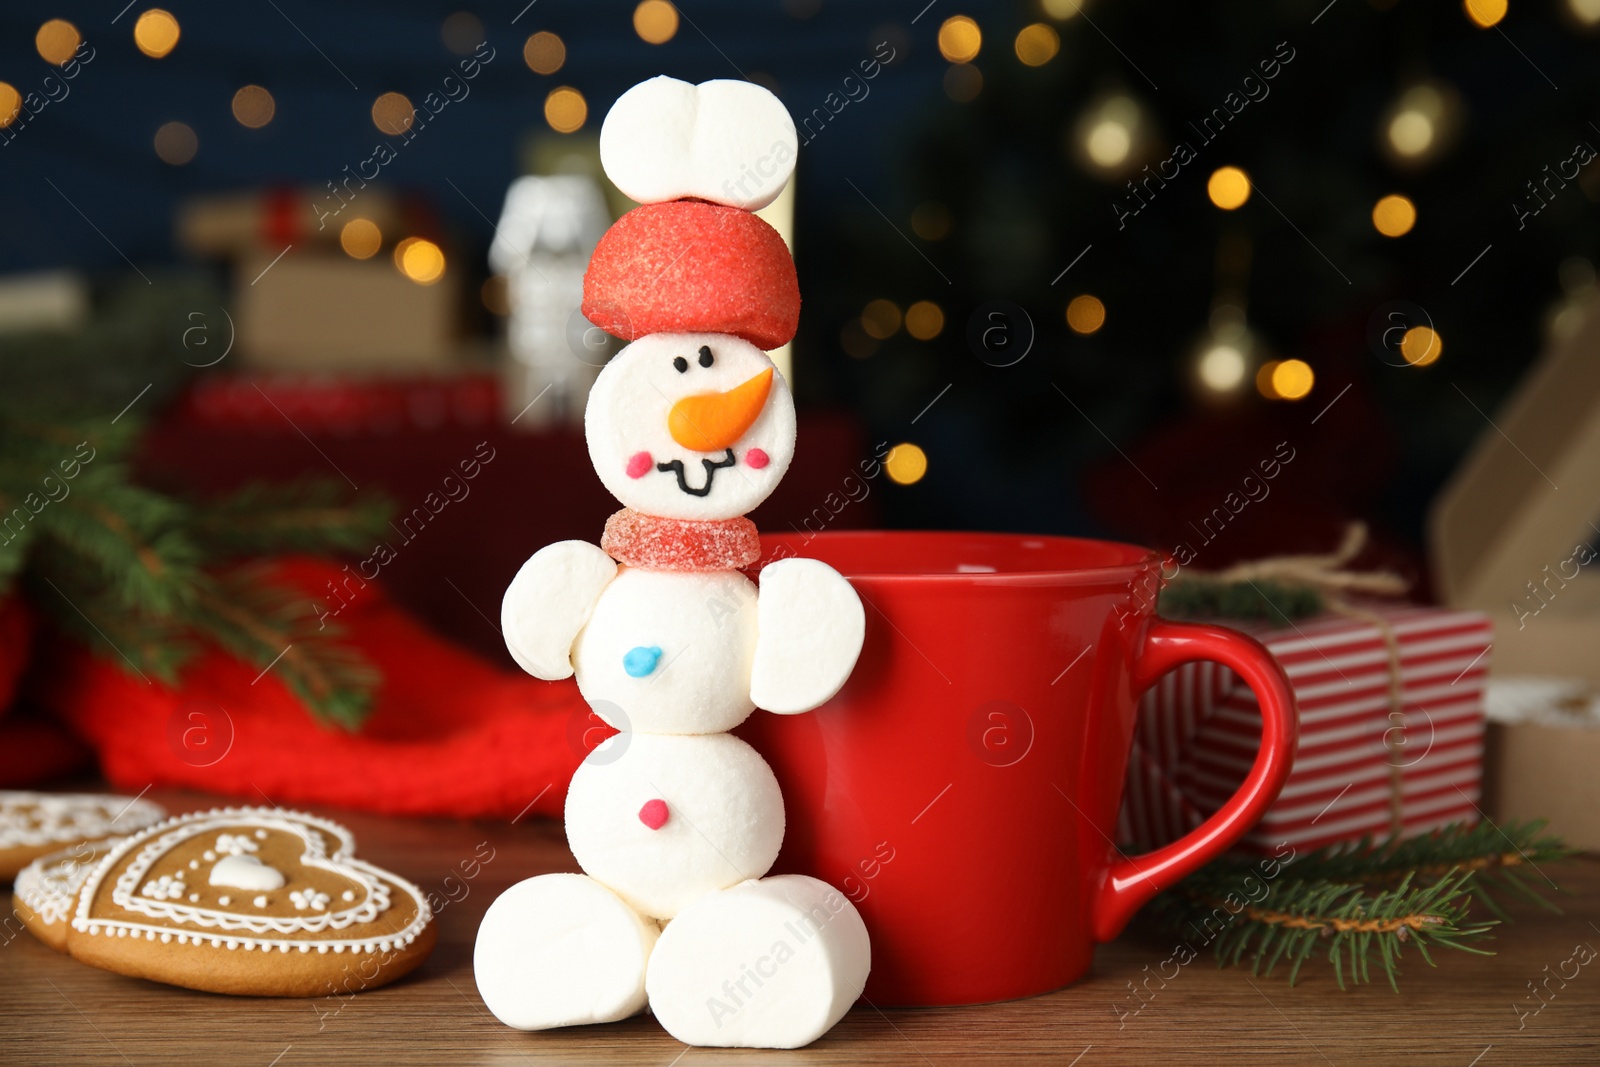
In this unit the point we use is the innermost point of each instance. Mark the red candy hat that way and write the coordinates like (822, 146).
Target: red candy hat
(687, 266)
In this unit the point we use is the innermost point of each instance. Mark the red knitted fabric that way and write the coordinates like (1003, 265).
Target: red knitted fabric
(450, 734)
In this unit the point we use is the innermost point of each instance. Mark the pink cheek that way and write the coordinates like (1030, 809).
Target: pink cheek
(757, 458)
(639, 464)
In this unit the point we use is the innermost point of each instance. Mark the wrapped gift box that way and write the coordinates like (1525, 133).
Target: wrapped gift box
(1199, 727)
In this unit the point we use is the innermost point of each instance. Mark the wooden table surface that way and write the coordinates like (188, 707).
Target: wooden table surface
(56, 1011)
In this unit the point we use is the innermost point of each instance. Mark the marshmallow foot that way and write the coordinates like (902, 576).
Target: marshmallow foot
(562, 950)
(764, 964)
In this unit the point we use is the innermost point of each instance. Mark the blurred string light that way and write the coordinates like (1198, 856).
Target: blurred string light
(156, 33)
(1566, 316)
(57, 41)
(1228, 188)
(1225, 354)
(420, 260)
(1587, 12)
(10, 104)
(176, 143)
(1060, 10)
(1394, 215)
(1484, 13)
(1421, 346)
(1292, 379)
(254, 107)
(1037, 44)
(565, 109)
(930, 220)
(393, 114)
(1421, 123)
(963, 82)
(960, 40)
(880, 319)
(1085, 314)
(461, 32)
(924, 320)
(655, 21)
(1110, 133)
(360, 238)
(544, 52)
(906, 464)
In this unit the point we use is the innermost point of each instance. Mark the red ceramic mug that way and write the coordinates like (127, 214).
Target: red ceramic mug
(963, 787)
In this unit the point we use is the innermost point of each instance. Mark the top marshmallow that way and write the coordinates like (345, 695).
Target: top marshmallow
(729, 142)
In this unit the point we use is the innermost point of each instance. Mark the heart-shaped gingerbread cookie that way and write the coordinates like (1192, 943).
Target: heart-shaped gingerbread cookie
(253, 901)
(46, 889)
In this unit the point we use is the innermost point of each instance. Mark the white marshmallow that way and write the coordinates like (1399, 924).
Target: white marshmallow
(627, 417)
(723, 817)
(549, 601)
(730, 142)
(672, 650)
(561, 950)
(811, 625)
(768, 964)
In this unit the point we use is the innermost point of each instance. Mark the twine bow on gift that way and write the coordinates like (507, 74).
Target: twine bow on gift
(1305, 585)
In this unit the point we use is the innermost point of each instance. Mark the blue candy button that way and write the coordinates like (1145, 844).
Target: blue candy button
(641, 661)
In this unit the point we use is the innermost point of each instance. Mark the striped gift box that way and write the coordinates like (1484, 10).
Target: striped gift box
(1198, 731)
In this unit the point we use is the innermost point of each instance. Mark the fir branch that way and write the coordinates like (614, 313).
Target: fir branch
(1197, 598)
(275, 627)
(1350, 902)
(313, 516)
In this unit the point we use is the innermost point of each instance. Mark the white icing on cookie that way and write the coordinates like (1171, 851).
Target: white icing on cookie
(245, 872)
(313, 900)
(233, 845)
(220, 928)
(29, 820)
(166, 887)
(49, 885)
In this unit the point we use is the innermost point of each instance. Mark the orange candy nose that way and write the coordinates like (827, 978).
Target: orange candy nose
(711, 422)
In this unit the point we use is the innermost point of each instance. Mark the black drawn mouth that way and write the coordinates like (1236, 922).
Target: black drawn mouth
(676, 467)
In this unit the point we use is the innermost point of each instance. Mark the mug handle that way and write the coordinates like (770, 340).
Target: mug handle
(1130, 882)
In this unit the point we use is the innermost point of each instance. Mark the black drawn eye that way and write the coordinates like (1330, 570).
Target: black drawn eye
(681, 363)
(705, 356)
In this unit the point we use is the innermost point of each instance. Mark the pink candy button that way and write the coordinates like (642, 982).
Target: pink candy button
(654, 814)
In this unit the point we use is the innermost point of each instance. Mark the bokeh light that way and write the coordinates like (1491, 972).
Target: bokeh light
(1587, 12)
(1109, 143)
(393, 114)
(906, 464)
(254, 107)
(1037, 44)
(924, 320)
(156, 33)
(565, 109)
(963, 82)
(1394, 215)
(1228, 188)
(176, 143)
(960, 40)
(1264, 379)
(361, 238)
(881, 319)
(1060, 9)
(1222, 367)
(1110, 132)
(1421, 346)
(1292, 379)
(420, 260)
(57, 41)
(544, 52)
(1484, 13)
(930, 220)
(10, 104)
(655, 21)
(1086, 314)
(461, 32)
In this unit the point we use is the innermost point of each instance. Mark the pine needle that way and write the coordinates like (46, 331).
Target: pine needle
(1348, 903)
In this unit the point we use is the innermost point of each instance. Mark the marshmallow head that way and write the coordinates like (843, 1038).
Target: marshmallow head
(690, 426)
(729, 142)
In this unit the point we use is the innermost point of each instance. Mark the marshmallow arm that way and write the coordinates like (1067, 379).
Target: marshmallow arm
(549, 602)
(811, 625)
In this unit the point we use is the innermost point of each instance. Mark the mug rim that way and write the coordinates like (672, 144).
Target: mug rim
(1061, 575)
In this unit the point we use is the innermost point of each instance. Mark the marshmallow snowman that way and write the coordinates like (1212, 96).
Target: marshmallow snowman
(675, 822)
